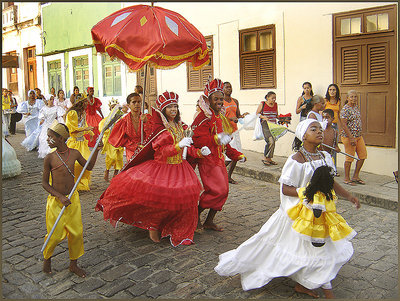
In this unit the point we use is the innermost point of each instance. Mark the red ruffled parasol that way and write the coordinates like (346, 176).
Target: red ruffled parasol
(139, 34)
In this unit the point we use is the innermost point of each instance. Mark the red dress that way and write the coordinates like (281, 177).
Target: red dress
(159, 194)
(124, 134)
(93, 119)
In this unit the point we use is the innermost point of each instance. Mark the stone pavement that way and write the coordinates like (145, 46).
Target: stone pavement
(124, 263)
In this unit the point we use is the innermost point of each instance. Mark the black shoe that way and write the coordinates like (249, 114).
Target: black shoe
(318, 244)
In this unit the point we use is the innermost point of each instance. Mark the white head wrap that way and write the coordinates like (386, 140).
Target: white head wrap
(29, 92)
(302, 127)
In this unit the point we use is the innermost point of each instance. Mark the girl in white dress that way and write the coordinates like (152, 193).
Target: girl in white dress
(63, 105)
(279, 251)
(10, 165)
(30, 110)
(47, 115)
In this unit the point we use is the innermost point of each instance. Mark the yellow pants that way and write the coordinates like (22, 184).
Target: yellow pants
(70, 224)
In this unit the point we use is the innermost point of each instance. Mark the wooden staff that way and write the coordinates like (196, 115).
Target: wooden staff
(112, 121)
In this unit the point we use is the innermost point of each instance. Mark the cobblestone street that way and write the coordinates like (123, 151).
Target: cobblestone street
(125, 263)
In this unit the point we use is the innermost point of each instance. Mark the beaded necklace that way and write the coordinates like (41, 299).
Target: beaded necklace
(308, 155)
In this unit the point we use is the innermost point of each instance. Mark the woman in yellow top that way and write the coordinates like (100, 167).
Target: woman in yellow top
(332, 101)
(114, 155)
(6, 111)
(76, 122)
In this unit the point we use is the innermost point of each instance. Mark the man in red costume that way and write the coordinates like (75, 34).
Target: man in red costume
(212, 129)
(92, 118)
(126, 132)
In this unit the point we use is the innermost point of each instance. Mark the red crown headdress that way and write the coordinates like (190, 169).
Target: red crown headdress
(216, 85)
(166, 99)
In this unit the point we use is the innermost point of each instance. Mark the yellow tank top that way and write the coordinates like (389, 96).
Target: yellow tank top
(334, 108)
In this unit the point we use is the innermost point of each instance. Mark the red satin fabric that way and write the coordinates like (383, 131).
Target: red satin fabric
(142, 33)
(215, 183)
(93, 119)
(124, 134)
(155, 194)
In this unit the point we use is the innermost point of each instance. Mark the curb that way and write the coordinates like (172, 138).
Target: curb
(273, 177)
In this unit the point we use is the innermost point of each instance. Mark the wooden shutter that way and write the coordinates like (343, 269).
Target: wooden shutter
(194, 78)
(351, 65)
(266, 71)
(378, 63)
(249, 71)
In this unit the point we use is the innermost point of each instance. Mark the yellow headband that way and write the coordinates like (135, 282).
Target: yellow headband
(59, 129)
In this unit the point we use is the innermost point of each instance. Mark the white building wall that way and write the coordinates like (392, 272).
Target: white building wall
(303, 53)
(18, 40)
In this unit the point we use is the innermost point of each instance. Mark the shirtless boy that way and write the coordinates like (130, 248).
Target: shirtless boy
(331, 135)
(60, 164)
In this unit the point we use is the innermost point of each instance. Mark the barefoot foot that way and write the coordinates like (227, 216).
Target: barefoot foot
(303, 290)
(328, 293)
(213, 226)
(106, 173)
(73, 267)
(47, 266)
(154, 235)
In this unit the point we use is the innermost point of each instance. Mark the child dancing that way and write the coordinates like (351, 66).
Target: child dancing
(276, 250)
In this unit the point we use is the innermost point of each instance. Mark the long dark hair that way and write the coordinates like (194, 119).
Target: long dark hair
(177, 117)
(321, 180)
(307, 83)
(328, 97)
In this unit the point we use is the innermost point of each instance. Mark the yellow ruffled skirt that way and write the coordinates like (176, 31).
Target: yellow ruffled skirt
(329, 225)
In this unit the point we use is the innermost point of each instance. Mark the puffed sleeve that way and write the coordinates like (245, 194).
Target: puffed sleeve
(117, 136)
(98, 104)
(233, 154)
(165, 146)
(202, 134)
(292, 173)
(23, 107)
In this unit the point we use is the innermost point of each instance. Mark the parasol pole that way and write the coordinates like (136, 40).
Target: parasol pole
(143, 101)
(111, 122)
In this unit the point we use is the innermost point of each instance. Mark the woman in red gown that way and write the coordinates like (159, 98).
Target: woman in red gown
(92, 118)
(161, 194)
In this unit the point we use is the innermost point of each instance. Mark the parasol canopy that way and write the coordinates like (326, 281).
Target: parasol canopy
(139, 34)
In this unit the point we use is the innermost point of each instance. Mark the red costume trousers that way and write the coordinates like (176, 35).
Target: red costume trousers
(215, 184)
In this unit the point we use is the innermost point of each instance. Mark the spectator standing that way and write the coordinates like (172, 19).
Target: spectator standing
(318, 104)
(232, 112)
(269, 113)
(303, 105)
(63, 105)
(74, 95)
(6, 111)
(15, 116)
(351, 136)
(332, 98)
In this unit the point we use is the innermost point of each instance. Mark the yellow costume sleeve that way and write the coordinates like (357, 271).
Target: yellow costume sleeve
(71, 121)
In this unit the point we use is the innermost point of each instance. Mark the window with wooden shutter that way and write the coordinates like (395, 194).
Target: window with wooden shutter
(111, 76)
(365, 60)
(197, 79)
(378, 63)
(351, 65)
(257, 57)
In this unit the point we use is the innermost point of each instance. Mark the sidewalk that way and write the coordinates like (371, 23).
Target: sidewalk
(379, 191)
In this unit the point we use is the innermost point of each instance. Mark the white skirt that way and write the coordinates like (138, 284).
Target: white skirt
(10, 165)
(278, 251)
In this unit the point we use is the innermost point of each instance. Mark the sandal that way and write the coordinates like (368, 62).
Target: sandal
(351, 183)
(266, 163)
(273, 163)
(359, 181)
(232, 181)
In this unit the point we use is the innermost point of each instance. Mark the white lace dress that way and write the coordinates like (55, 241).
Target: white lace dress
(48, 114)
(279, 251)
